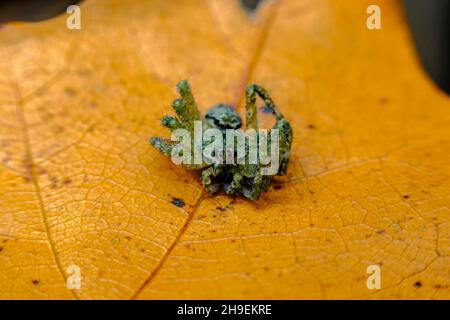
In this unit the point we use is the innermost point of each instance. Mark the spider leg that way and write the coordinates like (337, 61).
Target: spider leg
(186, 94)
(259, 185)
(207, 180)
(251, 115)
(185, 107)
(171, 122)
(163, 145)
(284, 144)
(252, 91)
(256, 188)
(235, 184)
(187, 112)
(285, 130)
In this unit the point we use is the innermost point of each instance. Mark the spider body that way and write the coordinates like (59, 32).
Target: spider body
(223, 117)
(243, 177)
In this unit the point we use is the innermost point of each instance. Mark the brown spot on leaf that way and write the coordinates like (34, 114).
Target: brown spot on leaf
(53, 182)
(70, 91)
(84, 72)
(6, 159)
(178, 202)
(418, 284)
(383, 100)
(93, 105)
(36, 282)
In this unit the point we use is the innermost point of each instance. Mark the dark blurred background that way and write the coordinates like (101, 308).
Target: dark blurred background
(429, 22)
(430, 25)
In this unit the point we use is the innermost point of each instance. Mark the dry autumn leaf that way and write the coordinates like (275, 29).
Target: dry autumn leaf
(369, 181)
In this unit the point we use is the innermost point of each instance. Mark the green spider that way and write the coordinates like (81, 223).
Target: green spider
(246, 178)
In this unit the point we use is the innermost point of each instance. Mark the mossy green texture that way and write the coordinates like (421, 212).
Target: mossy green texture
(246, 178)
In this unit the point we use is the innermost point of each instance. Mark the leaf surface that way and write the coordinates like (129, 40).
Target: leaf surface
(368, 182)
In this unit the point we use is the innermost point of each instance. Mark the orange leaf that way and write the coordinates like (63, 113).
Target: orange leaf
(368, 182)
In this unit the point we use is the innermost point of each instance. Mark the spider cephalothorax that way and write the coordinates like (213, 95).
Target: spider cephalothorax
(248, 178)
